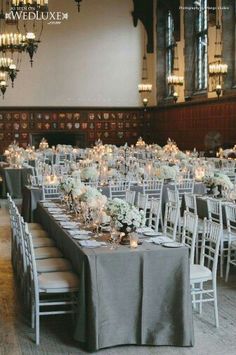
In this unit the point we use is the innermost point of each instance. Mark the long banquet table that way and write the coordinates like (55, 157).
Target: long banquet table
(127, 296)
(13, 180)
(32, 195)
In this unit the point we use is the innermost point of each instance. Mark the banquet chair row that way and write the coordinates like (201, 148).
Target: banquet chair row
(46, 278)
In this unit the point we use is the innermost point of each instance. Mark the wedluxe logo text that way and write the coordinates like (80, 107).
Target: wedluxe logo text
(52, 18)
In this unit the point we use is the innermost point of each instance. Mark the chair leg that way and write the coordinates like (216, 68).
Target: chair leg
(37, 324)
(216, 306)
(228, 266)
(221, 258)
(200, 304)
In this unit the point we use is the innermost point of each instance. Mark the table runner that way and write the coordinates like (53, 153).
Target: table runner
(128, 296)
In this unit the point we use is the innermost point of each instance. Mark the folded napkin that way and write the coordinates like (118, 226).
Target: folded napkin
(91, 243)
(144, 230)
(160, 240)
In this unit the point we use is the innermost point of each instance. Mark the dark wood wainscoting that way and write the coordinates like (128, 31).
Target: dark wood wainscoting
(189, 123)
(81, 126)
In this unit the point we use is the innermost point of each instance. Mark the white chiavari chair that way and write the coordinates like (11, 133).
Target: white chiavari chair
(205, 273)
(153, 188)
(189, 233)
(214, 209)
(184, 186)
(154, 214)
(171, 221)
(142, 203)
(118, 190)
(50, 191)
(130, 196)
(230, 211)
(55, 290)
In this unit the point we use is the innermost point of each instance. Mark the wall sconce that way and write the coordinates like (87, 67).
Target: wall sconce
(145, 103)
(218, 90)
(3, 87)
(175, 96)
(78, 4)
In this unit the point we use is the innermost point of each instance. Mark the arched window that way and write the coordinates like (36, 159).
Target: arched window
(201, 44)
(170, 46)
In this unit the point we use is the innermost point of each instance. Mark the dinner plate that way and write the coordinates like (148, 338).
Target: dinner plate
(81, 237)
(152, 234)
(172, 245)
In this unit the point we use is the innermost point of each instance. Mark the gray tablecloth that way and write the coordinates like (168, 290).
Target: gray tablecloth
(13, 181)
(128, 296)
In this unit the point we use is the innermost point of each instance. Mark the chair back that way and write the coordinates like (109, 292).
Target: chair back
(119, 189)
(185, 186)
(230, 211)
(190, 202)
(130, 196)
(154, 215)
(210, 245)
(214, 209)
(142, 202)
(153, 188)
(51, 191)
(171, 221)
(189, 232)
(173, 197)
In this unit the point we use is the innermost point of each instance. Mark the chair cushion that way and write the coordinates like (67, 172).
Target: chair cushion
(53, 264)
(43, 242)
(47, 252)
(33, 226)
(52, 281)
(199, 273)
(39, 233)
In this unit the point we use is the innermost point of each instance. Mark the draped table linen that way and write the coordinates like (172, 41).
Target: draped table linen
(127, 296)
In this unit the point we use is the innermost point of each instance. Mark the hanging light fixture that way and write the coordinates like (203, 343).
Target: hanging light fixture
(78, 4)
(39, 5)
(217, 70)
(32, 29)
(144, 87)
(174, 80)
(8, 66)
(31, 45)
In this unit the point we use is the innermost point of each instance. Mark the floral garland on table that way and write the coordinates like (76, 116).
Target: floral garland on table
(166, 172)
(126, 217)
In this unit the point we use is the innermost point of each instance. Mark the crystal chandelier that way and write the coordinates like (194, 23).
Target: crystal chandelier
(39, 5)
(8, 66)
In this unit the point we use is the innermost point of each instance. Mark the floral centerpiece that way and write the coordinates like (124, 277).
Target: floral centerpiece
(125, 216)
(89, 173)
(216, 182)
(166, 172)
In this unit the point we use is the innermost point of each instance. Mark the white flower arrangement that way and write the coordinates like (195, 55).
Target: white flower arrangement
(89, 173)
(72, 186)
(126, 217)
(166, 172)
(218, 179)
(93, 198)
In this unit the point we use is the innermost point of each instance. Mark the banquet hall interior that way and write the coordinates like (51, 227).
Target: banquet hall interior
(118, 177)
